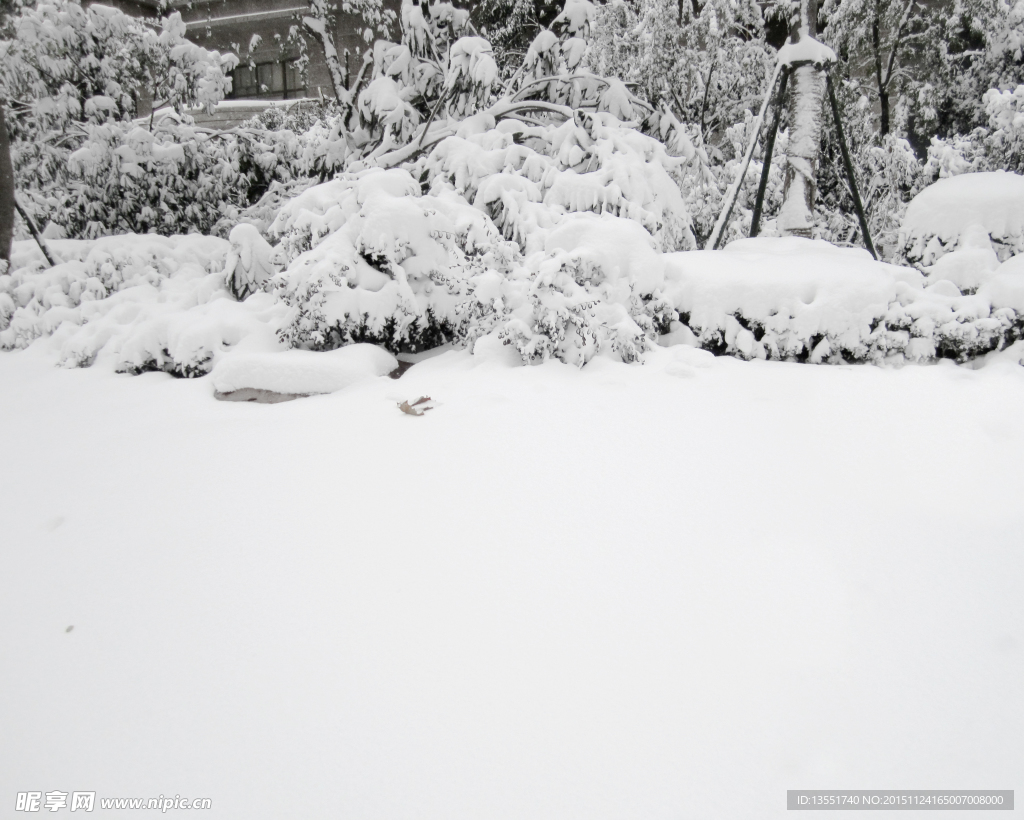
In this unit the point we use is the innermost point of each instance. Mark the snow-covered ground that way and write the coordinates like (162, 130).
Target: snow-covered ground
(663, 591)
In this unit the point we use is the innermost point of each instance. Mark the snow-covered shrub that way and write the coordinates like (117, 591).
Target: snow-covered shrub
(998, 145)
(503, 241)
(472, 73)
(372, 260)
(798, 300)
(524, 176)
(143, 302)
(511, 25)
(126, 178)
(946, 211)
(70, 77)
(597, 285)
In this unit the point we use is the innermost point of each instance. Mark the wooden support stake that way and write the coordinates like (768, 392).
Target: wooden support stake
(849, 168)
(733, 192)
(769, 148)
(35, 234)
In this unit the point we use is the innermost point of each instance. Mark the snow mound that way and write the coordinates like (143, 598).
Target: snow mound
(972, 263)
(807, 300)
(145, 302)
(301, 372)
(1005, 288)
(939, 216)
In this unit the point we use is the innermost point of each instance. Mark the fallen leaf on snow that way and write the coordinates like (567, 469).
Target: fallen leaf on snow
(418, 407)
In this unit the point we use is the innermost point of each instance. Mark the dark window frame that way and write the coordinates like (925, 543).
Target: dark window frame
(254, 90)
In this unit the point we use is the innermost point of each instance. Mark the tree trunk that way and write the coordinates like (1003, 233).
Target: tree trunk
(806, 96)
(319, 22)
(6, 193)
(876, 45)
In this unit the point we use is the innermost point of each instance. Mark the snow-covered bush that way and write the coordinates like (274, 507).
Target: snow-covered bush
(370, 259)
(127, 178)
(142, 302)
(472, 74)
(801, 300)
(707, 62)
(597, 285)
(71, 78)
(986, 208)
(524, 176)
(998, 145)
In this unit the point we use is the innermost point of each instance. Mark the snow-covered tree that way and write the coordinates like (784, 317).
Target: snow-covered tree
(807, 60)
(71, 75)
(980, 47)
(885, 46)
(319, 21)
(926, 66)
(7, 8)
(707, 62)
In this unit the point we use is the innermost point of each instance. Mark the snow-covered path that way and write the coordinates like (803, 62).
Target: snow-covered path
(667, 591)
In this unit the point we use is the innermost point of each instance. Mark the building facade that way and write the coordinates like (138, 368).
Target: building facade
(261, 32)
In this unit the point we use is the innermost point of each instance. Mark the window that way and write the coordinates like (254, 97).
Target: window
(270, 81)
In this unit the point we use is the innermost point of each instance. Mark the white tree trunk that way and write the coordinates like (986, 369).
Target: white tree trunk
(806, 95)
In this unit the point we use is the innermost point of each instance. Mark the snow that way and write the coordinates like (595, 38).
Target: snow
(674, 590)
(135, 302)
(301, 372)
(806, 278)
(1005, 288)
(576, 16)
(938, 216)
(806, 50)
(971, 264)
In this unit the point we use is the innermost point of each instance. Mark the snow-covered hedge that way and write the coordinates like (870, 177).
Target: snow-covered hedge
(504, 240)
(978, 218)
(801, 300)
(143, 302)
(444, 274)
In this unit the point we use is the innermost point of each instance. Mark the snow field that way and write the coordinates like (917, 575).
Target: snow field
(673, 590)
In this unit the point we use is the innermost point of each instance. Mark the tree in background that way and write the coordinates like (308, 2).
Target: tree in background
(320, 20)
(7, 8)
(69, 74)
(885, 47)
(707, 61)
(979, 48)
